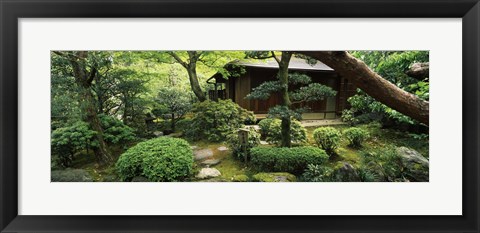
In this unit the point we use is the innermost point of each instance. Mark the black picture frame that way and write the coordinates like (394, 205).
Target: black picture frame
(11, 11)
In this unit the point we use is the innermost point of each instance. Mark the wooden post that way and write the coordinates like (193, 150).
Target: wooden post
(243, 138)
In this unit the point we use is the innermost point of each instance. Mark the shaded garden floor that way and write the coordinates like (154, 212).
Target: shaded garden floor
(232, 169)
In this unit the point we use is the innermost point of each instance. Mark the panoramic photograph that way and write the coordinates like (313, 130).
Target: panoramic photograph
(239, 116)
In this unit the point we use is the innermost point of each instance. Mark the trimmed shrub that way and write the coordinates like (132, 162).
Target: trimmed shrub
(274, 177)
(356, 136)
(159, 159)
(272, 131)
(214, 121)
(282, 159)
(234, 143)
(328, 138)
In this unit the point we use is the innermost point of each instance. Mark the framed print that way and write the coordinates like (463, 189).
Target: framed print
(310, 116)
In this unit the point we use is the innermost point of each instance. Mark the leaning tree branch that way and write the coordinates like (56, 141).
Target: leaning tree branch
(373, 84)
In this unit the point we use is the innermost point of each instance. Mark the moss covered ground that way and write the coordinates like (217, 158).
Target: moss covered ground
(234, 170)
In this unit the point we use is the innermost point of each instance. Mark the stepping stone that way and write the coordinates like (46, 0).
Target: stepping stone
(158, 133)
(263, 143)
(208, 173)
(194, 147)
(210, 162)
(202, 154)
(222, 148)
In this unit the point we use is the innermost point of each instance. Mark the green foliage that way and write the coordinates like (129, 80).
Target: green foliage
(240, 178)
(274, 177)
(382, 164)
(183, 124)
(366, 109)
(214, 121)
(66, 141)
(356, 136)
(391, 65)
(328, 138)
(307, 93)
(272, 130)
(159, 159)
(114, 131)
(264, 90)
(317, 173)
(282, 159)
(234, 143)
(312, 92)
(349, 117)
(265, 126)
(173, 103)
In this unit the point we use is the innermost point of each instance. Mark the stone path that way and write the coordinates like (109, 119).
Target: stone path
(202, 154)
(210, 162)
(208, 173)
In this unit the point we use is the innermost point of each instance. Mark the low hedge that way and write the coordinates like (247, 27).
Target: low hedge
(281, 159)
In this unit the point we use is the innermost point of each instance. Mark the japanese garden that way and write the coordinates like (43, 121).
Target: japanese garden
(239, 116)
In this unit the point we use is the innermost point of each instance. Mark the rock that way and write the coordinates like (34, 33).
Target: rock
(175, 135)
(222, 148)
(139, 179)
(263, 143)
(158, 133)
(346, 173)
(210, 162)
(416, 166)
(208, 173)
(274, 177)
(71, 175)
(202, 154)
(194, 147)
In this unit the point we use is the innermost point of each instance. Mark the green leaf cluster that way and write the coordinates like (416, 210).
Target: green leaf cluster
(160, 159)
(282, 159)
(214, 121)
(328, 138)
(271, 129)
(356, 136)
(66, 141)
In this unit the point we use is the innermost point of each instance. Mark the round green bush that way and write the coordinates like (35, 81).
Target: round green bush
(214, 121)
(356, 136)
(282, 159)
(328, 138)
(159, 159)
(272, 130)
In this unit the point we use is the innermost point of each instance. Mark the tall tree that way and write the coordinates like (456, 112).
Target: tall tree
(190, 64)
(373, 84)
(85, 70)
(311, 92)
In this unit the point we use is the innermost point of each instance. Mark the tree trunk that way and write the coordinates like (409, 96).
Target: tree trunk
(373, 84)
(88, 105)
(284, 98)
(194, 84)
(173, 123)
(84, 80)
